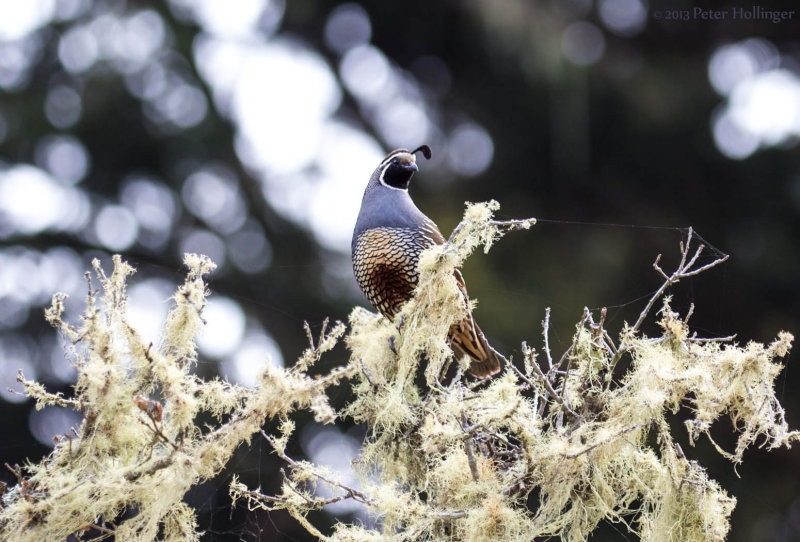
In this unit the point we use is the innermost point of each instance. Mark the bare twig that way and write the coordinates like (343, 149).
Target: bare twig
(314, 352)
(457, 377)
(546, 333)
(619, 433)
(161, 463)
(568, 351)
(158, 432)
(694, 339)
(368, 374)
(102, 529)
(16, 470)
(456, 514)
(350, 493)
(683, 270)
(545, 382)
(469, 446)
(258, 496)
(689, 313)
(599, 333)
(309, 336)
(296, 491)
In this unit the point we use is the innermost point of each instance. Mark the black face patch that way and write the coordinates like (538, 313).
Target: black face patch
(398, 174)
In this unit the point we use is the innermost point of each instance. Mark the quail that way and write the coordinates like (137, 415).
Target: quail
(389, 236)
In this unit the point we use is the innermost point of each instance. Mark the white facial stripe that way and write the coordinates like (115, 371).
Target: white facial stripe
(385, 165)
(389, 158)
(395, 154)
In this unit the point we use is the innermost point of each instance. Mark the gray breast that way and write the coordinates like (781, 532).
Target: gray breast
(384, 207)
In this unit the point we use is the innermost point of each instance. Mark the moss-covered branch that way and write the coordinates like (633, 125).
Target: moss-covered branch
(133, 452)
(584, 435)
(459, 460)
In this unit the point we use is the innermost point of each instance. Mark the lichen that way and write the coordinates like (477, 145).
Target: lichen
(551, 447)
(584, 437)
(138, 447)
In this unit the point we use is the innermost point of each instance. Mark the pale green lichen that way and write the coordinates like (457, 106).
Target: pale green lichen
(584, 437)
(458, 461)
(138, 446)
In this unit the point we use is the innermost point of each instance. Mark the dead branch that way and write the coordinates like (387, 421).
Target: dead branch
(350, 493)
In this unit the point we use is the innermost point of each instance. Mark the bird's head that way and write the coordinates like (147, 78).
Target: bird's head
(399, 166)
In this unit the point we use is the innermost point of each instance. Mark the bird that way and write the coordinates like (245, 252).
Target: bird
(389, 235)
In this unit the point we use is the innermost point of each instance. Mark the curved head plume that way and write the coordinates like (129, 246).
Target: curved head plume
(425, 150)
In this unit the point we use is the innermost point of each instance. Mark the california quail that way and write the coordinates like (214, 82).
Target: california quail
(389, 236)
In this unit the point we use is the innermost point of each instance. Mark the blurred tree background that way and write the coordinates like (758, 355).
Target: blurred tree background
(247, 131)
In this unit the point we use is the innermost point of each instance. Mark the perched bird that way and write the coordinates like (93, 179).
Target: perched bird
(389, 236)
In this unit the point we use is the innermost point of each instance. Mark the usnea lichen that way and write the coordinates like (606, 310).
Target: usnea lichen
(125, 469)
(585, 437)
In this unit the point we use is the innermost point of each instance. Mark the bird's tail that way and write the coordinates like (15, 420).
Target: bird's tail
(467, 339)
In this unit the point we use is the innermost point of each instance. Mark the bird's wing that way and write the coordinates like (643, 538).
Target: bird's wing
(430, 230)
(467, 339)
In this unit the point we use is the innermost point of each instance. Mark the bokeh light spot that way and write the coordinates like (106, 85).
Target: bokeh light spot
(61, 270)
(16, 354)
(116, 227)
(736, 62)
(329, 447)
(347, 26)
(182, 105)
(154, 206)
(200, 241)
(31, 200)
(347, 159)
(768, 106)
(17, 58)
(148, 304)
(52, 421)
(78, 49)
(281, 117)
(212, 195)
(63, 106)
(733, 141)
(624, 17)
(144, 34)
(71, 9)
(19, 277)
(224, 329)
(19, 18)
(218, 17)
(470, 149)
(582, 43)
(64, 156)
(405, 124)
(365, 71)
(256, 350)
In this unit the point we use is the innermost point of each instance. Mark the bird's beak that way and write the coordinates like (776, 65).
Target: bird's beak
(411, 166)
